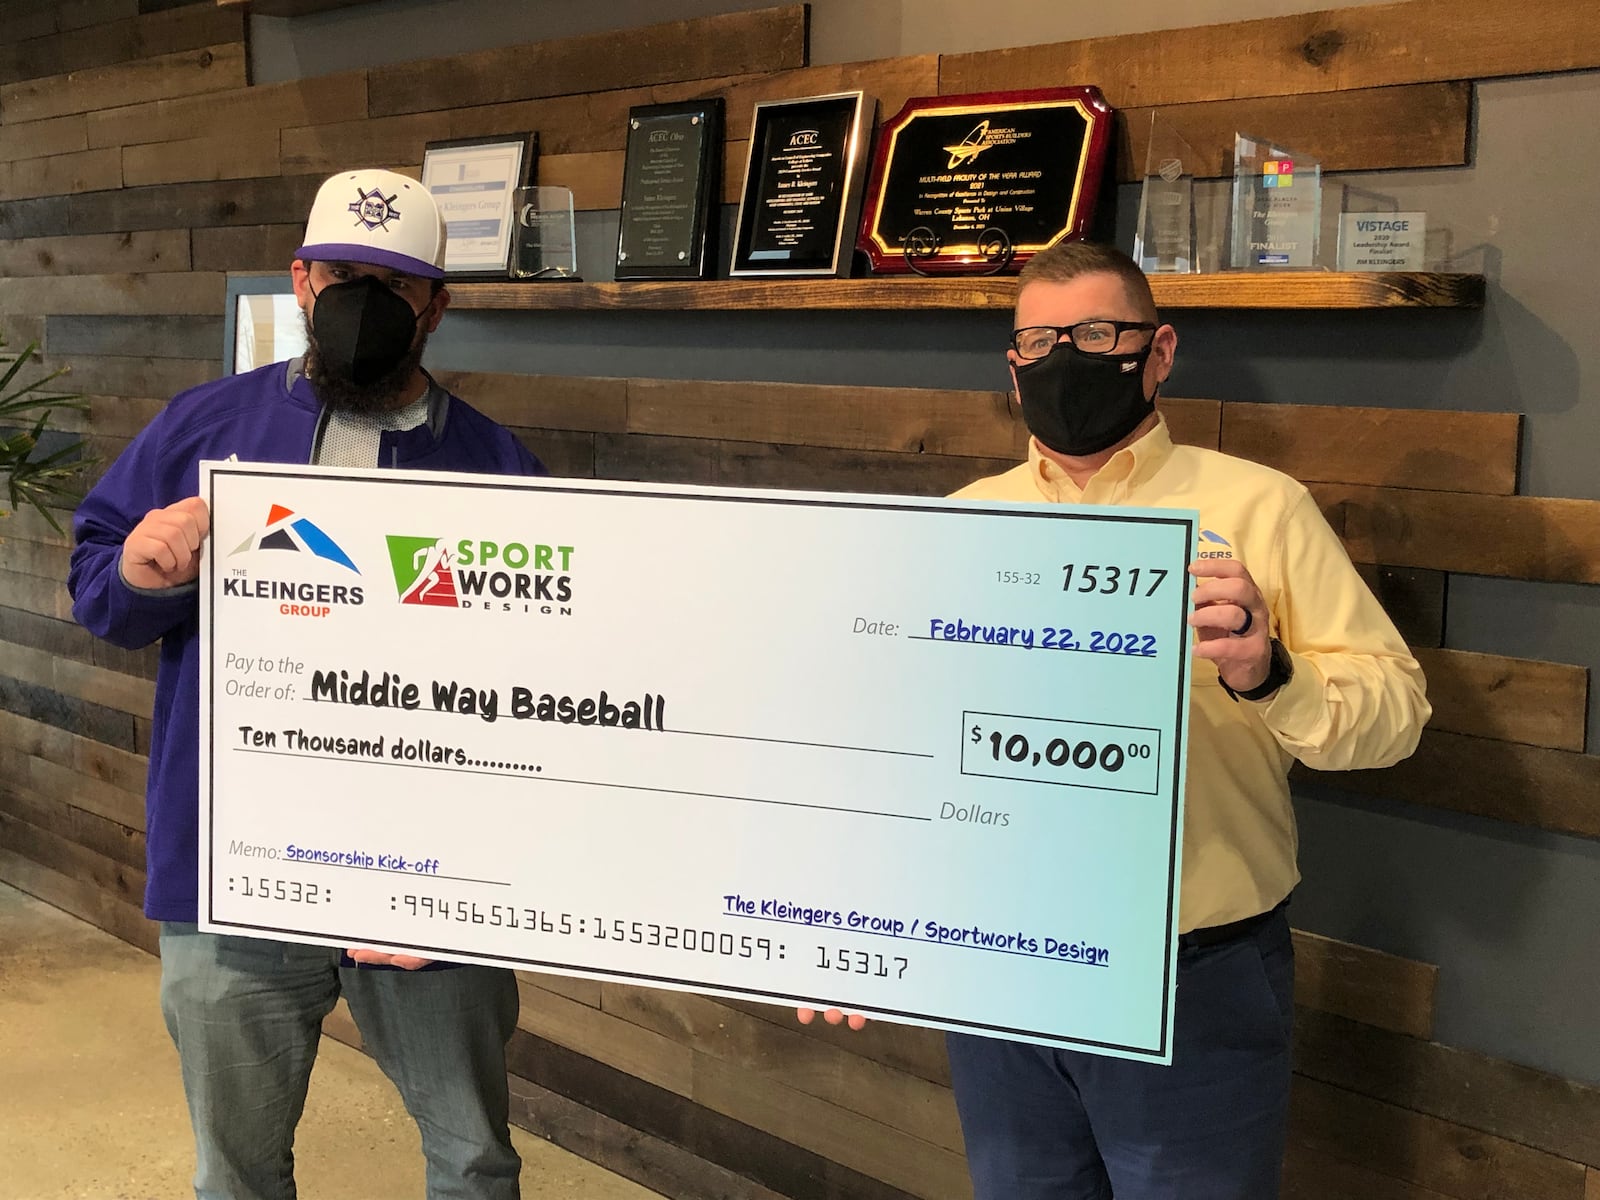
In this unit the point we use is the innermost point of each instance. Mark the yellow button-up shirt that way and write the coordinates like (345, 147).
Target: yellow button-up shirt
(1357, 698)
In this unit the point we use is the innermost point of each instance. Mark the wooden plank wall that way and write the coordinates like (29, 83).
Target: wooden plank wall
(137, 164)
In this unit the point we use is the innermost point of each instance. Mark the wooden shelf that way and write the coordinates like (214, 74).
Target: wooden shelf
(1231, 290)
(289, 8)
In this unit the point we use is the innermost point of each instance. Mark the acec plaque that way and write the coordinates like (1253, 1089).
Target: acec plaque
(802, 186)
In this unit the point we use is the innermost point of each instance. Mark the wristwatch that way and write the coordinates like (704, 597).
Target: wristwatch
(1280, 669)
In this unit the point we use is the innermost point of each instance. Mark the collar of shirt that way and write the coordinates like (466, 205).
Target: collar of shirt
(409, 417)
(355, 439)
(1123, 472)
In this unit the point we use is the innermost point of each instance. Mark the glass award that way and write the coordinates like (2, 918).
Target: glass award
(1277, 207)
(544, 239)
(1164, 241)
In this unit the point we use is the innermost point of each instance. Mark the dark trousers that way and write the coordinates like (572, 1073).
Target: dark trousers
(1047, 1124)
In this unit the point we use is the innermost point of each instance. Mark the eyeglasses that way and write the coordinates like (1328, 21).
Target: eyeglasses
(1091, 337)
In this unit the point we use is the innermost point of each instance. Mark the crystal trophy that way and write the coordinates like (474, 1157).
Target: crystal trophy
(1164, 241)
(544, 239)
(1277, 207)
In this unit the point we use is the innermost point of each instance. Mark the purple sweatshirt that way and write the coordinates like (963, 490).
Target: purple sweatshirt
(267, 415)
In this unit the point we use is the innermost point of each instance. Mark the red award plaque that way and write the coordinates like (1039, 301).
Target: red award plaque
(981, 183)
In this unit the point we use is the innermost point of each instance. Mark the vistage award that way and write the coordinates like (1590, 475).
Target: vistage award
(1383, 241)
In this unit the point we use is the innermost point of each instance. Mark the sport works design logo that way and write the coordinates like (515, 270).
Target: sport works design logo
(482, 574)
(373, 209)
(422, 573)
(1277, 172)
(285, 531)
(1214, 545)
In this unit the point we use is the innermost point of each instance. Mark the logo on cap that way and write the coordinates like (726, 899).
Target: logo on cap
(374, 209)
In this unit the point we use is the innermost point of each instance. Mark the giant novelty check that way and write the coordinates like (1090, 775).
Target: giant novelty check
(918, 759)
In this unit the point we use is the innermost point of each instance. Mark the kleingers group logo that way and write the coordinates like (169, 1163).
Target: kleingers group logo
(1214, 545)
(477, 573)
(373, 209)
(287, 531)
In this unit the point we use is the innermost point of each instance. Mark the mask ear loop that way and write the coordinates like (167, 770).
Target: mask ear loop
(311, 322)
(1013, 399)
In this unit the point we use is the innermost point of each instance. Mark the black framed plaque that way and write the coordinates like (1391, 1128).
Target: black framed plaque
(472, 181)
(802, 185)
(981, 183)
(671, 185)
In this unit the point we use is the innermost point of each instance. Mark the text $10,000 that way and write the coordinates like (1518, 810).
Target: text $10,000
(1062, 752)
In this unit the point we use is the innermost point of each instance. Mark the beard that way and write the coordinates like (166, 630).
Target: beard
(382, 395)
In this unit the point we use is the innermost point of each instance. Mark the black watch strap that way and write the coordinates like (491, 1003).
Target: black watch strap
(1280, 669)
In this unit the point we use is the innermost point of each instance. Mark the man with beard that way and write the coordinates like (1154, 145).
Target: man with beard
(1293, 660)
(246, 1013)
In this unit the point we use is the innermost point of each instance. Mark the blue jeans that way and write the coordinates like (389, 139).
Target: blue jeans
(1047, 1124)
(246, 1016)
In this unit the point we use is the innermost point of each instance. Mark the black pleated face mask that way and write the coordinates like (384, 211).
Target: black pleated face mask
(363, 330)
(1080, 404)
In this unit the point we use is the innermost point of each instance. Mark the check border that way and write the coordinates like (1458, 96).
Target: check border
(713, 494)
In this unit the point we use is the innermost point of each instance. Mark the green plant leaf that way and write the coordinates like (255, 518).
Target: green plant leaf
(43, 482)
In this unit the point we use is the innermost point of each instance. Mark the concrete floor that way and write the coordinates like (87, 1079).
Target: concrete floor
(91, 1106)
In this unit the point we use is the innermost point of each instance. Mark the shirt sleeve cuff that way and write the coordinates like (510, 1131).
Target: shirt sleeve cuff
(1296, 711)
(183, 589)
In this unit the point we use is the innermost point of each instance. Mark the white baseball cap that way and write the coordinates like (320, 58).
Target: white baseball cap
(379, 218)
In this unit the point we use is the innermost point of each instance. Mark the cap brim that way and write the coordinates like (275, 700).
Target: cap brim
(371, 256)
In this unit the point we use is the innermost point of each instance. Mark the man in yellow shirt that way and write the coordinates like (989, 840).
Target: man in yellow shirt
(1294, 660)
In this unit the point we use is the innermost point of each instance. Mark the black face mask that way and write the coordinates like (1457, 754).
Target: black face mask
(1079, 404)
(363, 330)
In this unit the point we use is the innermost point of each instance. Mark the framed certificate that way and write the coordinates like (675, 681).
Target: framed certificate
(802, 185)
(671, 184)
(472, 181)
